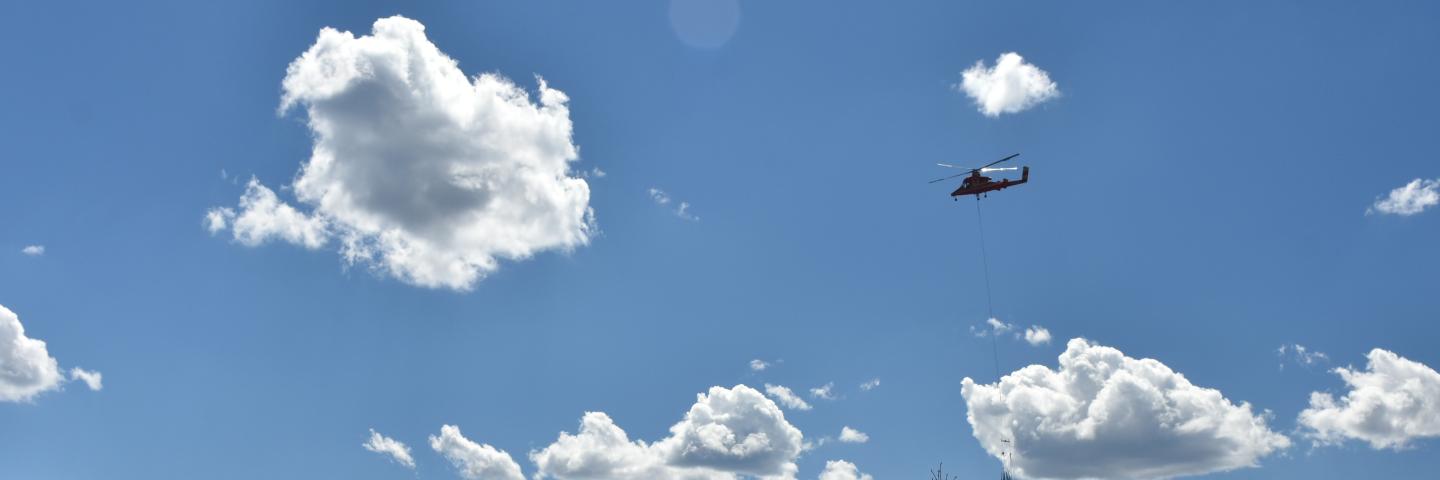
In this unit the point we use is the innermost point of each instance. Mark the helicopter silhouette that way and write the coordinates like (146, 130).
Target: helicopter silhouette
(980, 185)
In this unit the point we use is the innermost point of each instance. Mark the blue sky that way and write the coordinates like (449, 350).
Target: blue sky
(1199, 196)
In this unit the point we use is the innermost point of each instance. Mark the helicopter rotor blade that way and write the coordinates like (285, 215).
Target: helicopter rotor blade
(949, 177)
(1001, 160)
(946, 165)
(999, 169)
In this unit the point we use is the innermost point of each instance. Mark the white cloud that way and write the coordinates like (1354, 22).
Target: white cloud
(1410, 199)
(397, 451)
(1105, 415)
(870, 385)
(850, 435)
(728, 433)
(1300, 355)
(418, 171)
(682, 210)
(473, 460)
(825, 392)
(758, 365)
(263, 217)
(1010, 87)
(26, 367)
(786, 397)
(92, 379)
(1392, 402)
(218, 219)
(33, 250)
(1037, 335)
(842, 470)
(997, 327)
(601, 450)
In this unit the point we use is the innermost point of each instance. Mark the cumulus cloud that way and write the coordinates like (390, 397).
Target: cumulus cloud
(474, 461)
(870, 385)
(786, 397)
(92, 379)
(824, 392)
(1300, 355)
(263, 217)
(850, 435)
(682, 209)
(842, 470)
(1391, 403)
(1410, 199)
(26, 367)
(727, 434)
(1037, 335)
(416, 170)
(759, 365)
(33, 250)
(1011, 86)
(389, 447)
(1105, 415)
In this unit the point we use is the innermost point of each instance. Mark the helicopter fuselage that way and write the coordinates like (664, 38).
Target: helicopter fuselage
(977, 184)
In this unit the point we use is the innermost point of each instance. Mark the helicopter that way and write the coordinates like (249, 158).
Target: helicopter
(980, 185)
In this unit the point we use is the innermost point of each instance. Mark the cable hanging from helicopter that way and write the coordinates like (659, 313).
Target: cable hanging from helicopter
(979, 185)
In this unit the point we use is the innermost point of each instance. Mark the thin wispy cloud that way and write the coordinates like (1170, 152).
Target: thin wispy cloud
(681, 209)
(870, 384)
(1300, 355)
(759, 365)
(1409, 199)
(786, 397)
(1034, 335)
(824, 392)
(93, 380)
(33, 250)
(391, 448)
(1011, 86)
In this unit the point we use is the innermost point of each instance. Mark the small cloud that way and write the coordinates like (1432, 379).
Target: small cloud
(1300, 355)
(91, 379)
(597, 172)
(33, 250)
(1037, 335)
(824, 392)
(870, 385)
(997, 327)
(682, 209)
(218, 219)
(786, 397)
(1011, 86)
(474, 461)
(842, 470)
(759, 365)
(1410, 199)
(397, 451)
(1391, 403)
(850, 435)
